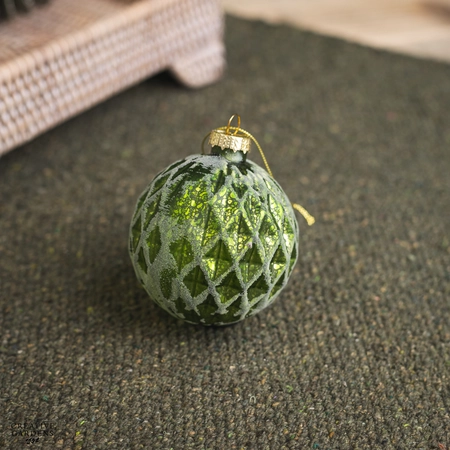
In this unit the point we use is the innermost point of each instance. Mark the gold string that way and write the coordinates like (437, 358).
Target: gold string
(308, 217)
(310, 220)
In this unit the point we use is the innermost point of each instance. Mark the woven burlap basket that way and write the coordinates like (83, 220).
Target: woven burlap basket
(61, 59)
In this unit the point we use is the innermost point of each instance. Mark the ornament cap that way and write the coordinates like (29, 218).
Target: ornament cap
(237, 142)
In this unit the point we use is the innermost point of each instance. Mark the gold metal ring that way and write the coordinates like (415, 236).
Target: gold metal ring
(230, 121)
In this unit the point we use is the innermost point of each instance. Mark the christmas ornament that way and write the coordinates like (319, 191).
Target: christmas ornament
(214, 238)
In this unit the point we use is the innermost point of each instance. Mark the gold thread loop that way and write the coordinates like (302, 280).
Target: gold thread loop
(230, 122)
(308, 217)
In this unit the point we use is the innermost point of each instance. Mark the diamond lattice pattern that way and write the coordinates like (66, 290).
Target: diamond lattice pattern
(213, 242)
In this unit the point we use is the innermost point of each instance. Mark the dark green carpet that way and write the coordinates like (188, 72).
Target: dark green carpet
(355, 354)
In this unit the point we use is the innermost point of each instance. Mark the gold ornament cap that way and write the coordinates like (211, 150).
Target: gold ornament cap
(237, 141)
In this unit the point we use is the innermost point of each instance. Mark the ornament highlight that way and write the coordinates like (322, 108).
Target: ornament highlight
(214, 238)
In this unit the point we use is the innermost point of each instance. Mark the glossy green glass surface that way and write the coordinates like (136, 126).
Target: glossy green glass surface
(213, 241)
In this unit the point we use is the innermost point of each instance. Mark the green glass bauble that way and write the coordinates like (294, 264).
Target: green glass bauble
(213, 238)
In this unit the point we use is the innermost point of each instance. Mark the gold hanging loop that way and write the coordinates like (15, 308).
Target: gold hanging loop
(230, 122)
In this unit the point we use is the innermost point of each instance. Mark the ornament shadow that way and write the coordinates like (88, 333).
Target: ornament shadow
(122, 306)
(114, 303)
(119, 303)
(123, 303)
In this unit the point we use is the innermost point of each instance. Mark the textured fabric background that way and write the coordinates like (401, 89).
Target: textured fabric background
(355, 354)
